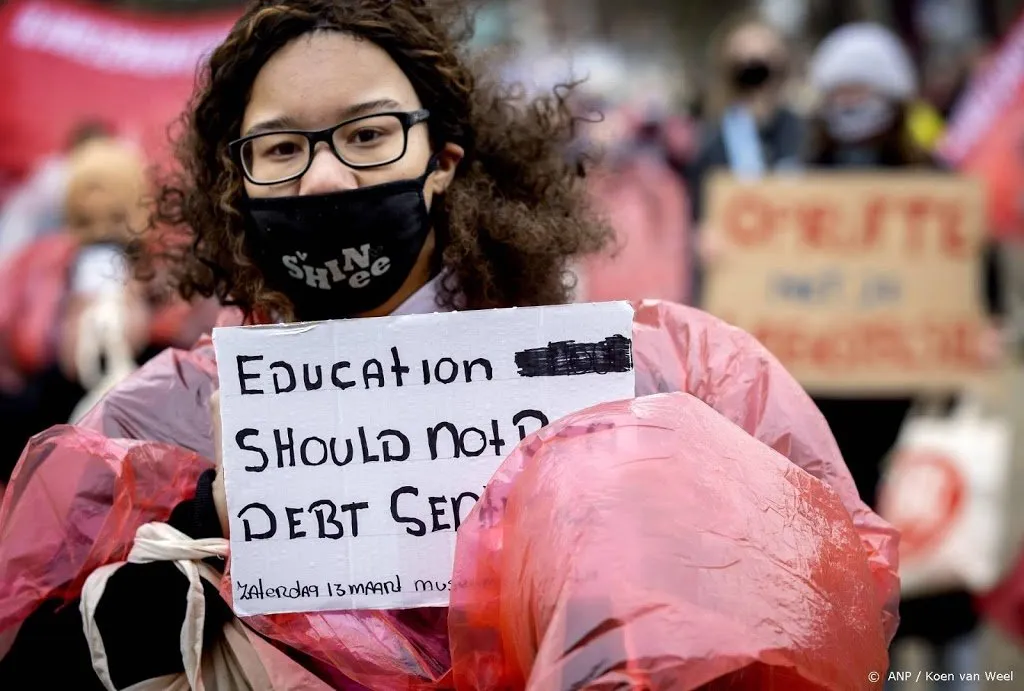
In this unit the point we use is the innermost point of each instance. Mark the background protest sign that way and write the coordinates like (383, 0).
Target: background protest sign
(354, 449)
(857, 283)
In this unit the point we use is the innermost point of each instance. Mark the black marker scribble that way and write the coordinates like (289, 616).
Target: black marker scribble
(568, 358)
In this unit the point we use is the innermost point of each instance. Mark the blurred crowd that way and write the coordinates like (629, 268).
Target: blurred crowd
(74, 319)
(858, 102)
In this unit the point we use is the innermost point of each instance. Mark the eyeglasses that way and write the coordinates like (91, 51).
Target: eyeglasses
(371, 141)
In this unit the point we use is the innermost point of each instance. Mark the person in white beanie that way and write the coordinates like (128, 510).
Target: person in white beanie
(867, 83)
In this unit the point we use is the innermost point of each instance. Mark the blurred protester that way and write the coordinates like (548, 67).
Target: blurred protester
(748, 128)
(36, 208)
(869, 84)
(71, 321)
(636, 185)
(50, 283)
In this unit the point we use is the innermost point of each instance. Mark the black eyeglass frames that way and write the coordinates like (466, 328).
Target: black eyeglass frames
(369, 141)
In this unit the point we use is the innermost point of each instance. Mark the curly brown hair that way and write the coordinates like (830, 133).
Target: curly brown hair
(513, 217)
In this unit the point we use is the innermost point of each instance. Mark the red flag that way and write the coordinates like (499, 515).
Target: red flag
(985, 137)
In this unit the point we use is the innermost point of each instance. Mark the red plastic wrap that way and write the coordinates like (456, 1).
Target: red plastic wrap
(166, 400)
(675, 349)
(73, 504)
(645, 202)
(34, 286)
(404, 650)
(678, 348)
(651, 544)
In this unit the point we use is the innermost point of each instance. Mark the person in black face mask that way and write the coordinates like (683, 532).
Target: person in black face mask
(341, 161)
(748, 129)
(358, 176)
(336, 214)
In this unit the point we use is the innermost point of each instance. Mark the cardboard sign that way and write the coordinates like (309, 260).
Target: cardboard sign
(353, 450)
(857, 283)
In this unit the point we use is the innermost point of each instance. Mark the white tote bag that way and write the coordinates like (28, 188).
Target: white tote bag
(236, 660)
(944, 490)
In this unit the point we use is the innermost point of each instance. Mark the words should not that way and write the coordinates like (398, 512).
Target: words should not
(328, 520)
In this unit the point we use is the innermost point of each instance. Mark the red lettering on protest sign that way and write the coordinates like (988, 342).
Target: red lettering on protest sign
(954, 238)
(928, 224)
(818, 226)
(749, 219)
(870, 344)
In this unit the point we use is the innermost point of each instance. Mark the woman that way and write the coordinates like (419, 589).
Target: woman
(869, 84)
(325, 129)
(749, 129)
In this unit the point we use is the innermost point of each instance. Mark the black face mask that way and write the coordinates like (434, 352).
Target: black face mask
(340, 254)
(750, 75)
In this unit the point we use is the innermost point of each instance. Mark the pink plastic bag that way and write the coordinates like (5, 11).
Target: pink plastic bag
(101, 484)
(651, 544)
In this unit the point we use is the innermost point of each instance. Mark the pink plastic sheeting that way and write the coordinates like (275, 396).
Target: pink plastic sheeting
(78, 495)
(652, 544)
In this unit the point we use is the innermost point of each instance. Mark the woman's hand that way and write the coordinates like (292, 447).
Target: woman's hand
(219, 497)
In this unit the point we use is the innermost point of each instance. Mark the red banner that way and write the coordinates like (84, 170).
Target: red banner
(65, 62)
